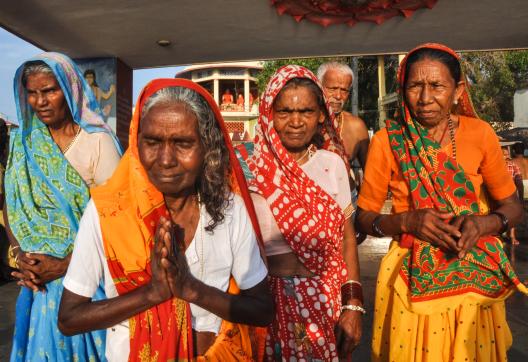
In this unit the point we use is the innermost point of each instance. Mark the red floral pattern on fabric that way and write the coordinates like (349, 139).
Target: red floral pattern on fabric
(350, 12)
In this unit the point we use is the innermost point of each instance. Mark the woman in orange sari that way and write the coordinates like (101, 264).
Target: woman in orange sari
(165, 235)
(442, 285)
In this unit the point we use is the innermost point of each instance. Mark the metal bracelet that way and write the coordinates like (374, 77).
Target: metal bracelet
(355, 308)
(351, 281)
(12, 251)
(376, 229)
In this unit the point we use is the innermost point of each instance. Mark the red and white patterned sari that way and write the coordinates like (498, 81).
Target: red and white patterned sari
(312, 223)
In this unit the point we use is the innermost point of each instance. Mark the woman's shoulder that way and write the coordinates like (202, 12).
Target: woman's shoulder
(327, 155)
(234, 205)
(98, 137)
(381, 136)
(475, 125)
(98, 143)
(235, 214)
(329, 159)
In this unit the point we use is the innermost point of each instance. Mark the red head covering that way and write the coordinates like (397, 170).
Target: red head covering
(309, 219)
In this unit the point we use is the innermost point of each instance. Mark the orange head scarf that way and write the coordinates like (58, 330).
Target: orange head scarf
(129, 207)
(464, 106)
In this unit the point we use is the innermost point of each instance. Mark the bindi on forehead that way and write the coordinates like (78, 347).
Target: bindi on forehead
(296, 95)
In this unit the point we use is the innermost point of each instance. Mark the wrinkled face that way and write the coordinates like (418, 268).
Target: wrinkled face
(430, 92)
(296, 115)
(46, 98)
(89, 78)
(336, 85)
(170, 149)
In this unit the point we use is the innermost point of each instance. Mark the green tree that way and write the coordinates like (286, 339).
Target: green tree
(368, 88)
(271, 66)
(367, 81)
(493, 78)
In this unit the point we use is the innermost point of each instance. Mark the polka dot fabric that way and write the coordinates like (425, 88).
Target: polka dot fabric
(304, 327)
(311, 222)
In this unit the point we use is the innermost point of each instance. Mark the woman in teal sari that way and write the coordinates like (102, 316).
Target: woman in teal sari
(62, 148)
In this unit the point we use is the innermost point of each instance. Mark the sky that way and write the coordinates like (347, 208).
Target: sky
(14, 51)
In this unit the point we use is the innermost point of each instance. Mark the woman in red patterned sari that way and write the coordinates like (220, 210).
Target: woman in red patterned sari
(441, 287)
(302, 198)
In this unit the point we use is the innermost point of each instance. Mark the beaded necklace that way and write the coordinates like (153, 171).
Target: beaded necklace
(452, 136)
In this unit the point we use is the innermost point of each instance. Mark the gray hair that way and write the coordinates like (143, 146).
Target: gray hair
(34, 67)
(340, 67)
(213, 184)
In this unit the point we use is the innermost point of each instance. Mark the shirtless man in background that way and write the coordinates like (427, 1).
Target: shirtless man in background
(337, 82)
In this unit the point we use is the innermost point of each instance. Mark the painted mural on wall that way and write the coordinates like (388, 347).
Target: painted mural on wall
(100, 73)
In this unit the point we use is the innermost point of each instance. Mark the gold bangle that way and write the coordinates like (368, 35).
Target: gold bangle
(349, 211)
(12, 251)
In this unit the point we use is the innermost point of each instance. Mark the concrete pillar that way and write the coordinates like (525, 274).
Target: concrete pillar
(355, 91)
(251, 126)
(382, 90)
(246, 92)
(124, 102)
(216, 88)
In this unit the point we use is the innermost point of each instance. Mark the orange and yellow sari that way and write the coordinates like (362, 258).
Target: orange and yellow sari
(430, 305)
(129, 207)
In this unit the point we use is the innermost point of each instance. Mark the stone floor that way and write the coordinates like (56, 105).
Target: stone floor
(371, 252)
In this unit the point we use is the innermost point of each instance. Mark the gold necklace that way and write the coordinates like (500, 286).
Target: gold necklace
(309, 152)
(72, 141)
(303, 156)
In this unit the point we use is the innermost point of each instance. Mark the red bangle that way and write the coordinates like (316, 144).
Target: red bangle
(351, 291)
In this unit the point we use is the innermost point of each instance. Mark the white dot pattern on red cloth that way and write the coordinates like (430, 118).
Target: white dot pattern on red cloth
(311, 222)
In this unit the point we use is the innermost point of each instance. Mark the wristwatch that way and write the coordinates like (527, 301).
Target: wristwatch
(504, 221)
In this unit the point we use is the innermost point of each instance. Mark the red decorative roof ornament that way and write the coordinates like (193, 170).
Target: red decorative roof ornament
(350, 12)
